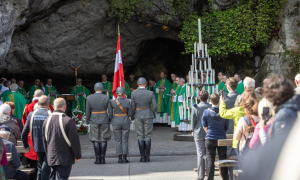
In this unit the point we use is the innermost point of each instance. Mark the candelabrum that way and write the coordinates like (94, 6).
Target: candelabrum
(201, 76)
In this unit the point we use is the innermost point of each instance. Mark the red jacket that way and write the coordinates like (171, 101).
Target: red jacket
(28, 108)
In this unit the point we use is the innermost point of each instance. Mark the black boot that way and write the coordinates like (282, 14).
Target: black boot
(125, 158)
(148, 147)
(97, 152)
(103, 151)
(142, 150)
(120, 161)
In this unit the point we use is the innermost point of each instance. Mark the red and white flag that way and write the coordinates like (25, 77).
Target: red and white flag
(118, 73)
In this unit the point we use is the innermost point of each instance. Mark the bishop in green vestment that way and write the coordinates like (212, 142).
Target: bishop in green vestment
(50, 91)
(17, 98)
(37, 85)
(107, 86)
(162, 89)
(82, 93)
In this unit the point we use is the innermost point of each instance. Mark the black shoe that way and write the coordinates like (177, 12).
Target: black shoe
(103, 151)
(148, 147)
(125, 158)
(97, 152)
(142, 150)
(120, 161)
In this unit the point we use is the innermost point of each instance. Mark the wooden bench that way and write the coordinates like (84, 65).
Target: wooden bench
(226, 163)
(19, 143)
(9, 156)
(236, 174)
(216, 159)
(225, 142)
(26, 170)
(21, 149)
(229, 136)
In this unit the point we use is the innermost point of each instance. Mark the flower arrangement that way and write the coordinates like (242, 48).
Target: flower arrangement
(79, 119)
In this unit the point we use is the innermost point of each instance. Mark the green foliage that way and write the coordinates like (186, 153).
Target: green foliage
(167, 9)
(293, 55)
(236, 30)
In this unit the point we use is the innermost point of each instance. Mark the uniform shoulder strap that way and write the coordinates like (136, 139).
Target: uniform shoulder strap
(60, 125)
(120, 106)
(31, 123)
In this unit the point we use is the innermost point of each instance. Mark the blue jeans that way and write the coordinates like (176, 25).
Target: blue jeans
(19, 176)
(43, 168)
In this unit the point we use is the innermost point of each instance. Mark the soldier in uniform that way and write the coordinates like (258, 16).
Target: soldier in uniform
(121, 123)
(141, 101)
(98, 115)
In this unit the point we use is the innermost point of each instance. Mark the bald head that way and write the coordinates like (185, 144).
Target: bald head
(60, 104)
(43, 101)
(38, 93)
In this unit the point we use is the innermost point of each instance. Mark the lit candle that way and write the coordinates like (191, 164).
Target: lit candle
(192, 62)
(200, 64)
(202, 80)
(202, 50)
(199, 30)
(207, 77)
(213, 80)
(205, 65)
(195, 49)
(196, 77)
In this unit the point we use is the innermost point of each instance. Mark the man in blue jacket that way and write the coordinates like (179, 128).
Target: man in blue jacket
(34, 125)
(215, 128)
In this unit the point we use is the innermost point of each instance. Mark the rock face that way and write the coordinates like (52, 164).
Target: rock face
(50, 35)
(273, 60)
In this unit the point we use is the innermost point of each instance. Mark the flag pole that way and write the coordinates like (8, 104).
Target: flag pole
(119, 36)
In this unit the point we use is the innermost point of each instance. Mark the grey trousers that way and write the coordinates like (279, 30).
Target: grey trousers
(121, 133)
(100, 132)
(201, 151)
(143, 128)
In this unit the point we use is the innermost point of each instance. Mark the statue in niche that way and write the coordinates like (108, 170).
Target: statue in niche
(221, 4)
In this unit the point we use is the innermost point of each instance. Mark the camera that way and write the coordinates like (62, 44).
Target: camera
(266, 114)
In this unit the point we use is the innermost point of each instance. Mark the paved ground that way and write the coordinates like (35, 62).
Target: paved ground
(162, 144)
(160, 168)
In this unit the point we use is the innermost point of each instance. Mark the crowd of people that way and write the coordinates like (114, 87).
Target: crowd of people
(257, 118)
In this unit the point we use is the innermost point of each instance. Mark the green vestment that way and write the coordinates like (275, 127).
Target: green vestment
(32, 90)
(225, 88)
(127, 90)
(182, 93)
(107, 86)
(220, 85)
(80, 103)
(5, 95)
(19, 101)
(48, 91)
(173, 86)
(240, 88)
(161, 97)
(23, 92)
(174, 110)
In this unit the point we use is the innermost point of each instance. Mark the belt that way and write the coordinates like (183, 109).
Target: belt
(100, 112)
(120, 114)
(141, 108)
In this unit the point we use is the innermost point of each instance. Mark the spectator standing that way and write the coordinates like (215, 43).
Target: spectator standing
(297, 82)
(215, 127)
(61, 142)
(11, 169)
(199, 133)
(34, 125)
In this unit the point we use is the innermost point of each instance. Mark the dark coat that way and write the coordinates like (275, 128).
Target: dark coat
(57, 150)
(229, 101)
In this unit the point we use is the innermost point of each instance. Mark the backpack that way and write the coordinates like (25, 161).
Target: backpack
(246, 149)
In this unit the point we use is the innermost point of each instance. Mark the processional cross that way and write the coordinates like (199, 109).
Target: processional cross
(76, 70)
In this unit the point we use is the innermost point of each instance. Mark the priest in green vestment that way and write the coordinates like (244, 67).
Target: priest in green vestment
(220, 83)
(37, 85)
(81, 92)
(107, 86)
(127, 90)
(17, 98)
(240, 88)
(179, 101)
(175, 92)
(173, 86)
(22, 90)
(5, 89)
(50, 91)
(224, 88)
(161, 95)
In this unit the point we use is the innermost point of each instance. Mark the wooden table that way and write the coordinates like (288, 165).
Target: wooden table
(21, 149)
(229, 136)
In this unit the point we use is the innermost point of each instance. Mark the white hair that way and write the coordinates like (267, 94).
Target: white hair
(264, 103)
(4, 133)
(297, 78)
(5, 109)
(13, 87)
(249, 82)
(36, 106)
(182, 79)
